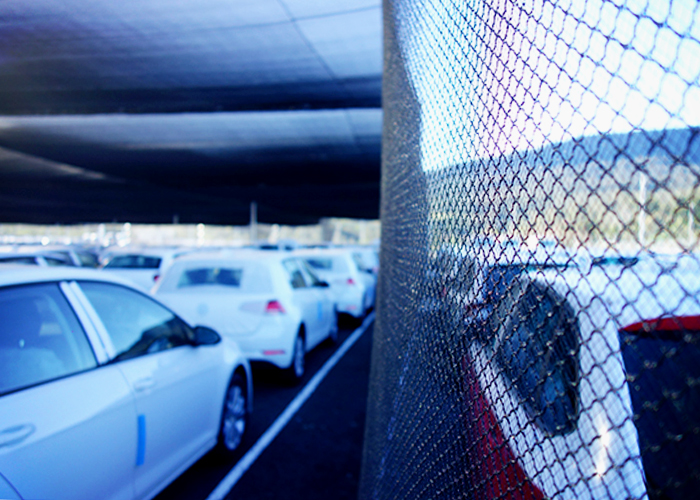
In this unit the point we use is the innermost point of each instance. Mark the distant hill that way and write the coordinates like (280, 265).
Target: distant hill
(601, 182)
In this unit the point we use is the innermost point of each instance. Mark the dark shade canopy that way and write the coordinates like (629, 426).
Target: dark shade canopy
(150, 110)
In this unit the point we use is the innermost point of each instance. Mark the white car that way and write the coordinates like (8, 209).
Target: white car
(78, 256)
(268, 301)
(141, 266)
(104, 392)
(43, 259)
(366, 258)
(353, 289)
(572, 373)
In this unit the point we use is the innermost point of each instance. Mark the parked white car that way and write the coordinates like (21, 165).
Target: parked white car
(366, 258)
(572, 369)
(104, 392)
(78, 256)
(141, 266)
(353, 289)
(268, 301)
(42, 259)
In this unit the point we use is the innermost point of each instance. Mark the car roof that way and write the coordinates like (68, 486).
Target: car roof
(331, 252)
(146, 250)
(247, 254)
(32, 255)
(17, 274)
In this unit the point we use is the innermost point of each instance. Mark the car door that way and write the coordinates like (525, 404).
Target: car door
(326, 303)
(307, 299)
(178, 388)
(67, 425)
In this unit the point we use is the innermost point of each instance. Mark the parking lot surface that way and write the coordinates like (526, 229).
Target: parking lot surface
(317, 454)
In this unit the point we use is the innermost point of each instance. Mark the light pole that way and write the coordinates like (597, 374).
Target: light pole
(691, 223)
(253, 222)
(642, 221)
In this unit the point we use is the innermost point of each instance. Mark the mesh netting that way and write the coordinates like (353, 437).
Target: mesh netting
(538, 308)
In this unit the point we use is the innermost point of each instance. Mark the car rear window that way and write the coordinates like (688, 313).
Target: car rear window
(134, 262)
(211, 276)
(320, 264)
(217, 276)
(333, 264)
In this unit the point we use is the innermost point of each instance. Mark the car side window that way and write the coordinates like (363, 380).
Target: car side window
(136, 324)
(310, 276)
(539, 352)
(19, 260)
(320, 263)
(296, 278)
(52, 261)
(88, 260)
(41, 339)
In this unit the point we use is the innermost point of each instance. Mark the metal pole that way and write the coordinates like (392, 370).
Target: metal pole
(253, 222)
(642, 208)
(691, 223)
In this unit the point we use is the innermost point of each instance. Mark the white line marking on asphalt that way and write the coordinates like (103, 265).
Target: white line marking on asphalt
(227, 484)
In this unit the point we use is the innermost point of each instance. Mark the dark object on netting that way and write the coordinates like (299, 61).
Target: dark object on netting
(662, 358)
(538, 351)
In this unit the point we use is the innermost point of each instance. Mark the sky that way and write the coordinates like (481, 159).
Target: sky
(494, 77)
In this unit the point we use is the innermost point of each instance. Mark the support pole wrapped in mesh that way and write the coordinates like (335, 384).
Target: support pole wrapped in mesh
(539, 307)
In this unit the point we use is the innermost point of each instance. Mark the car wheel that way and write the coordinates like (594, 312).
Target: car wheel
(296, 370)
(234, 417)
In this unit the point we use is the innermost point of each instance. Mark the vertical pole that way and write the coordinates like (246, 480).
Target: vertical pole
(201, 234)
(642, 208)
(253, 222)
(362, 237)
(691, 223)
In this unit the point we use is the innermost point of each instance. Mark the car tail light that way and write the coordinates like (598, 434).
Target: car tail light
(350, 282)
(668, 325)
(661, 363)
(274, 307)
(155, 278)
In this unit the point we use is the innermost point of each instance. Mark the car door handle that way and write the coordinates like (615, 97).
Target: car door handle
(144, 383)
(16, 434)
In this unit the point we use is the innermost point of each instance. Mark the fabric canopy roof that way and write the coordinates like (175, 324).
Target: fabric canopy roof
(149, 110)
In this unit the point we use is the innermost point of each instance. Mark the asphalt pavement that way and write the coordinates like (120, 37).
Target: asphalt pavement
(317, 455)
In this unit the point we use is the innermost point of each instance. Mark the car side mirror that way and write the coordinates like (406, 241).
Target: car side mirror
(322, 284)
(203, 335)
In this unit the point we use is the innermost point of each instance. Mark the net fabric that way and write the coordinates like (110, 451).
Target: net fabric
(539, 293)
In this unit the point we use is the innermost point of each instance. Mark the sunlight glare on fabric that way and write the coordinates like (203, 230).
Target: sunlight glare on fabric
(584, 68)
